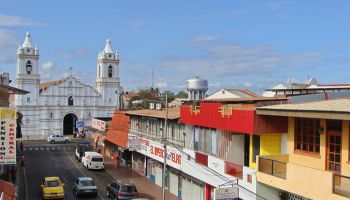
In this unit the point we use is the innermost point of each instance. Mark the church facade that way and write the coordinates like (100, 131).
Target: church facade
(54, 107)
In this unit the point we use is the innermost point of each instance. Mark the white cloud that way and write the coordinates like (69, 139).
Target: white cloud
(7, 20)
(76, 53)
(48, 66)
(7, 39)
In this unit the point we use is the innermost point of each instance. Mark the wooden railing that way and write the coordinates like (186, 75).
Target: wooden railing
(341, 185)
(272, 167)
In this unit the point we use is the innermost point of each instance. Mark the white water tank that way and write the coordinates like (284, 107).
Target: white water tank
(197, 87)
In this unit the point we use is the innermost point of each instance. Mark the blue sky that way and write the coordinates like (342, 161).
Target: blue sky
(233, 44)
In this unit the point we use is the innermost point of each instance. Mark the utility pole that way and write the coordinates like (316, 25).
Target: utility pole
(165, 134)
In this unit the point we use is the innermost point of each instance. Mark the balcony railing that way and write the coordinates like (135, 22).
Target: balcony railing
(341, 185)
(272, 167)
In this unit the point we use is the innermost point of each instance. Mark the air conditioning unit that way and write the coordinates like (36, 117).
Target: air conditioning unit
(158, 106)
(151, 106)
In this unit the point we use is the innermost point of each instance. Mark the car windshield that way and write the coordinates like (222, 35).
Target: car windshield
(97, 159)
(86, 183)
(128, 189)
(84, 148)
(52, 183)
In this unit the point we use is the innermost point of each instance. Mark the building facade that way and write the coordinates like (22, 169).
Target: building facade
(54, 107)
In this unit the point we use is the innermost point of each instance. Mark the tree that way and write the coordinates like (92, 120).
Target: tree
(181, 94)
(171, 95)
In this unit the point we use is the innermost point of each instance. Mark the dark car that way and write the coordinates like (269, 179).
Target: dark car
(121, 190)
(84, 185)
(82, 147)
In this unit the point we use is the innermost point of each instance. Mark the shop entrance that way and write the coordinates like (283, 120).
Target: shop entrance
(69, 124)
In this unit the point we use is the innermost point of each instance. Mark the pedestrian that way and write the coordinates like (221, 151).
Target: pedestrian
(13, 174)
(21, 146)
(22, 160)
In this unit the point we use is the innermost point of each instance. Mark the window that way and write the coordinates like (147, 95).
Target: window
(70, 101)
(306, 135)
(213, 141)
(110, 71)
(99, 71)
(28, 99)
(256, 147)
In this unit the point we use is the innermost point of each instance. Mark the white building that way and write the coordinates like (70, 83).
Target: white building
(54, 107)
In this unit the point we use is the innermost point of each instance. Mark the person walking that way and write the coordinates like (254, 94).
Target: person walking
(13, 174)
(21, 146)
(22, 160)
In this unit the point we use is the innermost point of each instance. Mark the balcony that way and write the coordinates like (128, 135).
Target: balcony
(280, 172)
(274, 165)
(341, 185)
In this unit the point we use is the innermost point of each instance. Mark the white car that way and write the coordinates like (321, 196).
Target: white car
(58, 138)
(93, 160)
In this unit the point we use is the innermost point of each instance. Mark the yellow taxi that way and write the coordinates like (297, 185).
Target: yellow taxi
(52, 188)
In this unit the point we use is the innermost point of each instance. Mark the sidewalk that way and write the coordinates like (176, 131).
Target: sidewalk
(145, 188)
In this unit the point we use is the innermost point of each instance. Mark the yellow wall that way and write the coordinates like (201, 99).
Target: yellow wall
(345, 164)
(270, 144)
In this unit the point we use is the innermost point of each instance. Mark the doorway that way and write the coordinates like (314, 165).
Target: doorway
(334, 139)
(69, 124)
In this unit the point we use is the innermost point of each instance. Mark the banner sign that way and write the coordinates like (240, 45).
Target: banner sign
(226, 193)
(7, 136)
(156, 151)
(79, 124)
(98, 124)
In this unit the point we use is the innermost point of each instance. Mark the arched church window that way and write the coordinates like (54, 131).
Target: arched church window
(70, 101)
(29, 67)
(99, 71)
(110, 71)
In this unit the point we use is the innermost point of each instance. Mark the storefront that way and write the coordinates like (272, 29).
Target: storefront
(139, 163)
(191, 188)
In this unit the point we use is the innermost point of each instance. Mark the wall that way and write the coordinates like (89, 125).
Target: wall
(270, 144)
(236, 151)
(316, 161)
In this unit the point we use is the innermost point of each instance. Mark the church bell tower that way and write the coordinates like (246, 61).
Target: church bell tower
(107, 78)
(27, 72)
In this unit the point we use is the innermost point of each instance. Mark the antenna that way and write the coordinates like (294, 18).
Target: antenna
(152, 78)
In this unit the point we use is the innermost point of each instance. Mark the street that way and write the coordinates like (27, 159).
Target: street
(43, 159)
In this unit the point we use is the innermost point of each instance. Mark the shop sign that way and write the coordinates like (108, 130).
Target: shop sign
(98, 124)
(226, 193)
(7, 136)
(133, 143)
(79, 124)
(155, 150)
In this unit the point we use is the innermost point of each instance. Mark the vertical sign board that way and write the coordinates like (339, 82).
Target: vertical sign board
(79, 124)
(7, 136)
(226, 193)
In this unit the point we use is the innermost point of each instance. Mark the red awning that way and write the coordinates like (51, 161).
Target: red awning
(8, 189)
(117, 137)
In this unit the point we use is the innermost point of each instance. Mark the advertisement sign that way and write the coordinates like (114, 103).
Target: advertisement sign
(98, 124)
(79, 124)
(226, 193)
(156, 151)
(7, 136)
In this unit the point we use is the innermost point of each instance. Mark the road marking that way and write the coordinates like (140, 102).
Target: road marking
(47, 148)
(52, 148)
(58, 148)
(36, 148)
(41, 148)
(25, 182)
(81, 171)
(30, 149)
(24, 149)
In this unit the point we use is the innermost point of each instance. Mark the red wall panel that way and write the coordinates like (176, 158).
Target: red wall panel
(209, 116)
(202, 158)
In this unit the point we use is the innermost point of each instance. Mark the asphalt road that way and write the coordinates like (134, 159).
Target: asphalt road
(42, 159)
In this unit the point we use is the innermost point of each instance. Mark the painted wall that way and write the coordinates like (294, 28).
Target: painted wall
(270, 144)
(236, 151)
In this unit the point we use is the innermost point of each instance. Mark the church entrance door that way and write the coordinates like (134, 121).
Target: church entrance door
(69, 124)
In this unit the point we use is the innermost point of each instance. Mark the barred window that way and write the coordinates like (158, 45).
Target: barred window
(307, 137)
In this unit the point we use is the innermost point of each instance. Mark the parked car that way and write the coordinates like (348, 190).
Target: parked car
(121, 190)
(93, 160)
(81, 148)
(84, 185)
(58, 138)
(52, 188)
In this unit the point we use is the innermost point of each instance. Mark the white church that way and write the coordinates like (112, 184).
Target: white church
(54, 107)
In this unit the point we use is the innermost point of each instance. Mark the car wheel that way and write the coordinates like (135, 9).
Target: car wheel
(107, 193)
(52, 142)
(66, 141)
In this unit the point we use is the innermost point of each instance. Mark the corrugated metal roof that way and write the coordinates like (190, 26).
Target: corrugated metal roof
(173, 113)
(338, 105)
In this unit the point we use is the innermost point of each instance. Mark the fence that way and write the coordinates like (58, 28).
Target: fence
(272, 167)
(341, 185)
